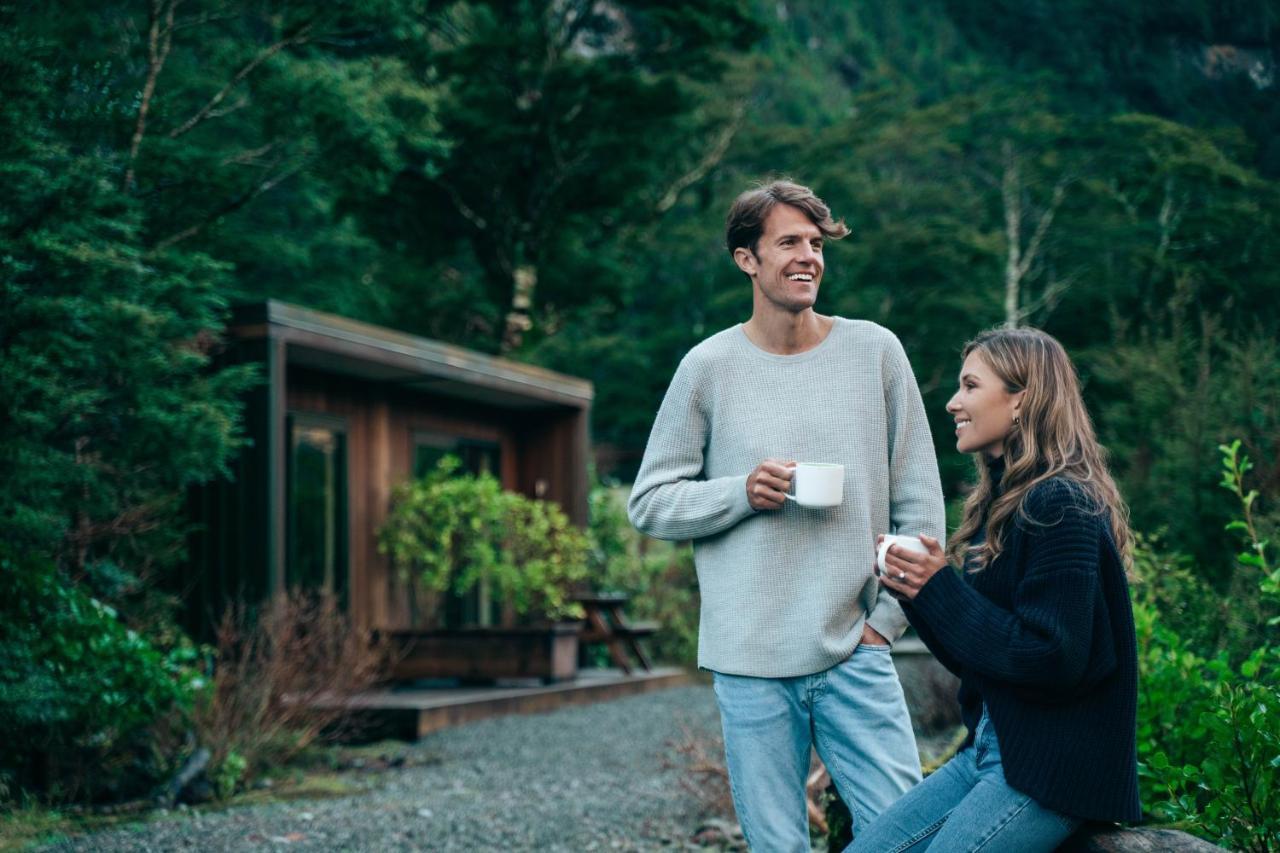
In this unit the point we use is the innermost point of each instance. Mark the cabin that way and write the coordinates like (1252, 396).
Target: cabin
(347, 410)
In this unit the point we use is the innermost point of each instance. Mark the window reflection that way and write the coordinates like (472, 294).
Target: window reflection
(317, 507)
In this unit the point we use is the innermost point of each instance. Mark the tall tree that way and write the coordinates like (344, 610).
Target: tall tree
(108, 408)
(572, 115)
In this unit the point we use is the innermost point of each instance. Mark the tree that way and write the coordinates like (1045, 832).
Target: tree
(570, 117)
(108, 407)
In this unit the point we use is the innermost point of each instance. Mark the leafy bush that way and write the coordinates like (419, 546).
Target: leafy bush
(1209, 728)
(658, 577)
(280, 684)
(80, 692)
(454, 531)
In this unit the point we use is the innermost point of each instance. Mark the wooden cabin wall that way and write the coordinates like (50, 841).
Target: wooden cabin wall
(553, 451)
(231, 548)
(381, 420)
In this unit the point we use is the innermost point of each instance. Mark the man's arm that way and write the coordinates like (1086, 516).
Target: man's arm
(915, 490)
(670, 500)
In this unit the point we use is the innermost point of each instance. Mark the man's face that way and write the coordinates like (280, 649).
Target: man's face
(787, 264)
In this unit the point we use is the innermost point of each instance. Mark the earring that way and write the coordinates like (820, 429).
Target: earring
(1017, 420)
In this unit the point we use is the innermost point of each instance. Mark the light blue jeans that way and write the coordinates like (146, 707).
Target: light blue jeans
(966, 806)
(856, 717)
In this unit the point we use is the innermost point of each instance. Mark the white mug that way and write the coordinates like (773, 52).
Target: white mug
(910, 543)
(817, 484)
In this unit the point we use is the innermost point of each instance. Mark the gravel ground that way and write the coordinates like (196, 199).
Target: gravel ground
(589, 778)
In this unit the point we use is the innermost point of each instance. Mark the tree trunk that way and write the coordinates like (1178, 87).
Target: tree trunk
(1011, 193)
(519, 319)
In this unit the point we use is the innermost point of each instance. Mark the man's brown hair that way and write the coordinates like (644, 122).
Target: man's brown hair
(745, 222)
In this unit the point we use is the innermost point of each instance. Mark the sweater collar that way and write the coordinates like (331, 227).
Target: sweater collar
(996, 469)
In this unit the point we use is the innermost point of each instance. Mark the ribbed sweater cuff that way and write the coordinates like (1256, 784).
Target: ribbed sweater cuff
(740, 507)
(937, 597)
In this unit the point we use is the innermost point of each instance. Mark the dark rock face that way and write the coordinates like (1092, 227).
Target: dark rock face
(1138, 840)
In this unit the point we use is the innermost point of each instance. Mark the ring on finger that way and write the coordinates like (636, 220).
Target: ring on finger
(902, 576)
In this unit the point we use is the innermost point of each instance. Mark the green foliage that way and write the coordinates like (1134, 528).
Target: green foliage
(568, 123)
(108, 407)
(1166, 583)
(453, 531)
(77, 686)
(1208, 728)
(658, 577)
(1229, 794)
(1254, 557)
(228, 773)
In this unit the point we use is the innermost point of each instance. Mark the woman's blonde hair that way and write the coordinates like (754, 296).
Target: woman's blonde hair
(1054, 437)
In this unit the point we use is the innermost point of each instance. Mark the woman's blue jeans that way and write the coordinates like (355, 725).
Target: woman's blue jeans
(856, 717)
(966, 806)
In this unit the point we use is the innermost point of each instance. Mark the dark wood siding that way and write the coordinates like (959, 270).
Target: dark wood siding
(536, 448)
(538, 421)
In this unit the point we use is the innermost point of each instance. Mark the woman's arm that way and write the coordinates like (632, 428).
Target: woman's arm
(931, 640)
(1044, 642)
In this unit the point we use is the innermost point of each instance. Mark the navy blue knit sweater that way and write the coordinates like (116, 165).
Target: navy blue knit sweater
(1044, 635)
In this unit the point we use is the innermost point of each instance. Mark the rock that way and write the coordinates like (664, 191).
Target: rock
(723, 834)
(199, 790)
(1106, 839)
(192, 770)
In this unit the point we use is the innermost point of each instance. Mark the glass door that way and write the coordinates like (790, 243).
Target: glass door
(317, 505)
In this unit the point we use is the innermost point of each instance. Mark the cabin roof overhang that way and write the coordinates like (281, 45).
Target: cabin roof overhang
(327, 342)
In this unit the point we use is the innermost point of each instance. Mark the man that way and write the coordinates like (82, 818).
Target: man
(794, 626)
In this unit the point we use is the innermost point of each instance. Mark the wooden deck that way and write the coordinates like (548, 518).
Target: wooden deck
(413, 710)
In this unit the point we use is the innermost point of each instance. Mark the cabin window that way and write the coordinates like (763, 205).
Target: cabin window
(478, 607)
(317, 505)
(478, 457)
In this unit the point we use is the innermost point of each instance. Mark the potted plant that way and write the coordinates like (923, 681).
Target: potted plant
(451, 532)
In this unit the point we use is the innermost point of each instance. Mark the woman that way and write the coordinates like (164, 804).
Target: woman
(1038, 626)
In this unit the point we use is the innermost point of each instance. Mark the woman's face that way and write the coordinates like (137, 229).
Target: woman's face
(983, 409)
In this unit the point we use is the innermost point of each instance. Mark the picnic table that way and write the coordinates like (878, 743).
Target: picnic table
(605, 623)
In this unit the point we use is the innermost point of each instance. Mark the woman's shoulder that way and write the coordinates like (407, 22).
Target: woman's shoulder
(1057, 499)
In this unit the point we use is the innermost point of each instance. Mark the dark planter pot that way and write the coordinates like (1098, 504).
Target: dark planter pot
(547, 652)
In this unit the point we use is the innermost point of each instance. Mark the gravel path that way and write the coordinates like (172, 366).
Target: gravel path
(589, 778)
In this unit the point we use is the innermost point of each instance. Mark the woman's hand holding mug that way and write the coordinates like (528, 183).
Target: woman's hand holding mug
(905, 569)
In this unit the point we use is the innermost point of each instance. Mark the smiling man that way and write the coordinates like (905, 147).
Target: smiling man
(794, 626)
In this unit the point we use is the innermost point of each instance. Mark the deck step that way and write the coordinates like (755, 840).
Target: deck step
(411, 713)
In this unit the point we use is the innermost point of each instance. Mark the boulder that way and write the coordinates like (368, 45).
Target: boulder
(1110, 839)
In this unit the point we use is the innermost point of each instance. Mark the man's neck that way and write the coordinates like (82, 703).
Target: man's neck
(784, 333)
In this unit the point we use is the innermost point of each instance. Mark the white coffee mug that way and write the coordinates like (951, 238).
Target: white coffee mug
(817, 484)
(910, 543)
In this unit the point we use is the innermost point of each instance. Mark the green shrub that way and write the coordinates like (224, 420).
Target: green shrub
(658, 577)
(454, 531)
(1208, 727)
(80, 692)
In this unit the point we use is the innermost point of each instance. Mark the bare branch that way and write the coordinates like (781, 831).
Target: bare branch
(1019, 261)
(1042, 227)
(239, 104)
(159, 41)
(231, 206)
(1168, 218)
(250, 156)
(708, 162)
(467, 213)
(204, 112)
(200, 21)
(1050, 296)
